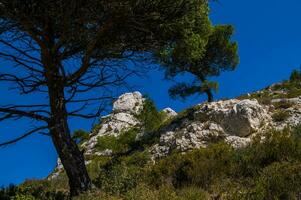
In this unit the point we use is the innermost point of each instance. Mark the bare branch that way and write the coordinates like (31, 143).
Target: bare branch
(21, 113)
(86, 60)
(22, 136)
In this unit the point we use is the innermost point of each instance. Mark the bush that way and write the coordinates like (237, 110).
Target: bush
(198, 168)
(96, 164)
(295, 76)
(192, 193)
(149, 116)
(123, 174)
(144, 192)
(279, 181)
(283, 104)
(276, 147)
(23, 197)
(280, 115)
(121, 144)
(263, 97)
(268, 168)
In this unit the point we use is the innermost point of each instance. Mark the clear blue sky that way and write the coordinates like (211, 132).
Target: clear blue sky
(269, 37)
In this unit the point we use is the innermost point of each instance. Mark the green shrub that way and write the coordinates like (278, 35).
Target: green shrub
(96, 164)
(80, 136)
(123, 174)
(280, 115)
(123, 143)
(279, 181)
(199, 167)
(37, 189)
(23, 197)
(276, 147)
(266, 169)
(149, 116)
(192, 193)
(295, 76)
(96, 195)
(283, 104)
(290, 89)
(263, 97)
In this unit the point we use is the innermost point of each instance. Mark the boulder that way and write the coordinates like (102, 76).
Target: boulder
(237, 117)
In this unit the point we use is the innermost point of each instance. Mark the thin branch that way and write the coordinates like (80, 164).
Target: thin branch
(28, 114)
(22, 136)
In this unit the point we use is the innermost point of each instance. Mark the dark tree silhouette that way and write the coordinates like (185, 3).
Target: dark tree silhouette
(64, 49)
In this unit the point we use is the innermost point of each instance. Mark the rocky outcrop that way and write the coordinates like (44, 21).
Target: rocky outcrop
(237, 117)
(123, 117)
(233, 121)
(169, 112)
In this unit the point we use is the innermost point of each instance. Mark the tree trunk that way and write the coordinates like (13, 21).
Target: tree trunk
(209, 95)
(72, 158)
(207, 90)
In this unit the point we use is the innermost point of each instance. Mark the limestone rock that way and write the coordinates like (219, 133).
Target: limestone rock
(129, 103)
(232, 121)
(170, 112)
(123, 117)
(239, 118)
(237, 142)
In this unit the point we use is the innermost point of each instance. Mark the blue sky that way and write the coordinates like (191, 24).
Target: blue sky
(269, 37)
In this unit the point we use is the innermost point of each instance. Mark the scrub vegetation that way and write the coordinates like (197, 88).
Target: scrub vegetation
(266, 169)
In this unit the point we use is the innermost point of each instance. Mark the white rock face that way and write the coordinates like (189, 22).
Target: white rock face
(237, 142)
(239, 118)
(129, 103)
(232, 121)
(170, 112)
(122, 118)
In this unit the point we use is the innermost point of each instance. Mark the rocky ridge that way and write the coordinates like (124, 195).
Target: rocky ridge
(235, 121)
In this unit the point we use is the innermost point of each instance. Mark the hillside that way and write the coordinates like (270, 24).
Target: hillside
(243, 148)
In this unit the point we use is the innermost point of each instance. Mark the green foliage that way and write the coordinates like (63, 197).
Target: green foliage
(149, 116)
(219, 54)
(123, 174)
(151, 122)
(295, 76)
(80, 136)
(35, 190)
(96, 164)
(283, 105)
(265, 170)
(286, 89)
(263, 97)
(280, 115)
(234, 173)
(143, 192)
(23, 197)
(279, 181)
(121, 144)
(199, 167)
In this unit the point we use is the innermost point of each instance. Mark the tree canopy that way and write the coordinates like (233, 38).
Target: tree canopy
(213, 53)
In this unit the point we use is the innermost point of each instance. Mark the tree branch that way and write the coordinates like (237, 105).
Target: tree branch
(22, 136)
(21, 113)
